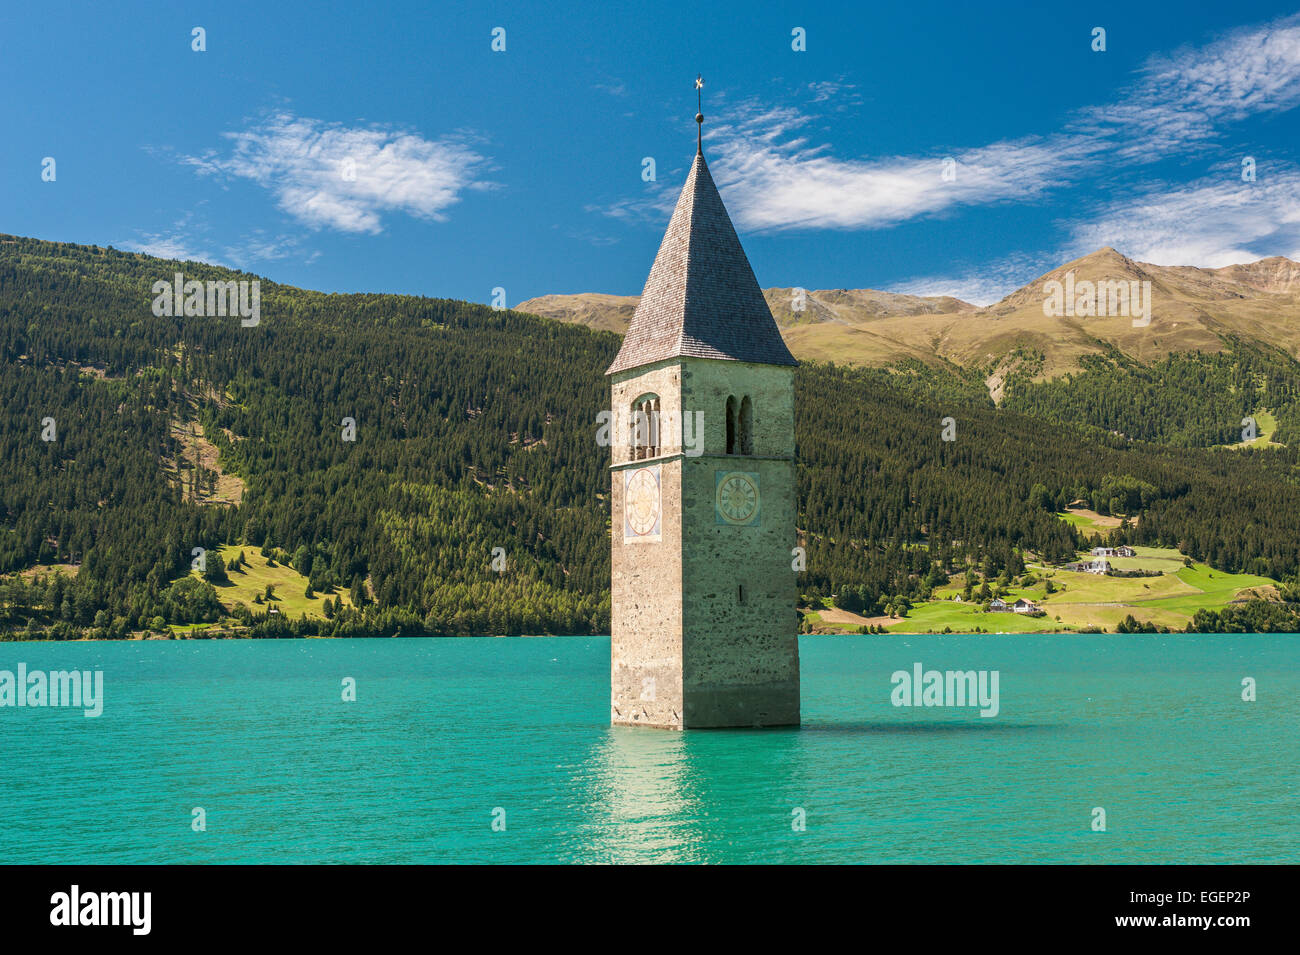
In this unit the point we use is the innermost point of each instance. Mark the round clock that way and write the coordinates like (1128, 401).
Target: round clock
(641, 504)
(737, 498)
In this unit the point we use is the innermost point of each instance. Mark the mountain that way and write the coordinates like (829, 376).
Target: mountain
(386, 446)
(1193, 309)
(607, 313)
(819, 329)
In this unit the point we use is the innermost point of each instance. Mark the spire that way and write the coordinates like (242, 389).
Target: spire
(701, 299)
(699, 114)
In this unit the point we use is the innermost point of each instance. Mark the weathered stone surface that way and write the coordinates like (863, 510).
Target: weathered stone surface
(703, 619)
(715, 656)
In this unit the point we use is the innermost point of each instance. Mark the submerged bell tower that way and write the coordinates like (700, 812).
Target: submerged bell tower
(703, 619)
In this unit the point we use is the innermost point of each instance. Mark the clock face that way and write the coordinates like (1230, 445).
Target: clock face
(736, 500)
(642, 504)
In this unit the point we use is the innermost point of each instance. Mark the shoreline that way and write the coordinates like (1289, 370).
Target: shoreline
(605, 636)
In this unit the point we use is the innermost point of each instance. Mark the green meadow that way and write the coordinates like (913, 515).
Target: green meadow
(289, 588)
(1092, 600)
(1090, 522)
(1265, 426)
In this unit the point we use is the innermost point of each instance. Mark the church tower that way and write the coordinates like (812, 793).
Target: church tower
(703, 619)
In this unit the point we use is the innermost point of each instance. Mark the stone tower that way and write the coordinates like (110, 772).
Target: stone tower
(704, 626)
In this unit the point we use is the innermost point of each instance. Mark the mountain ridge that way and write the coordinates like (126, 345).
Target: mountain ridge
(1193, 308)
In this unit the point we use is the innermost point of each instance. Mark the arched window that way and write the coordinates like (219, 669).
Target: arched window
(746, 426)
(645, 427)
(731, 424)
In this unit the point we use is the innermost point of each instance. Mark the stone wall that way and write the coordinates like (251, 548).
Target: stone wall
(645, 583)
(688, 648)
(741, 651)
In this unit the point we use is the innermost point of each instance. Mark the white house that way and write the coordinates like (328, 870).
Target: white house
(1099, 566)
(1123, 550)
(1024, 606)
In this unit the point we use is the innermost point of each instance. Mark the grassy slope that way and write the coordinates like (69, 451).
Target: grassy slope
(1265, 425)
(1090, 522)
(290, 586)
(1092, 600)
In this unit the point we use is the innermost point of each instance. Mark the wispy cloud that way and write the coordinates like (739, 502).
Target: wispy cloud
(330, 175)
(1184, 97)
(1215, 221)
(176, 246)
(985, 285)
(186, 241)
(183, 241)
(840, 92)
(774, 177)
(1211, 222)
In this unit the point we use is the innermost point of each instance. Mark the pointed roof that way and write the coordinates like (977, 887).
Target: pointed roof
(701, 299)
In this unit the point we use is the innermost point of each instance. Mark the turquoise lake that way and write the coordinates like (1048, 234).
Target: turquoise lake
(1151, 728)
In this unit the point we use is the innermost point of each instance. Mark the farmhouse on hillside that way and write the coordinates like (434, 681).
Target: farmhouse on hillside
(1099, 566)
(1122, 551)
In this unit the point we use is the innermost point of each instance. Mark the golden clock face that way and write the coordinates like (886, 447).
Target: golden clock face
(736, 501)
(641, 503)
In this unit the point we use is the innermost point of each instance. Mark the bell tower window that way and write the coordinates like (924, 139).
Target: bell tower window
(731, 424)
(645, 427)
(746, 426)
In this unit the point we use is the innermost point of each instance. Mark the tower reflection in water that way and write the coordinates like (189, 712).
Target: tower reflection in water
(665, 797)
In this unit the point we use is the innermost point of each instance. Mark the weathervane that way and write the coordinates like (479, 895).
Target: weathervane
(699, 113)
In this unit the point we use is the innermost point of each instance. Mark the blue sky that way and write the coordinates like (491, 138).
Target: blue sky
(349, 147)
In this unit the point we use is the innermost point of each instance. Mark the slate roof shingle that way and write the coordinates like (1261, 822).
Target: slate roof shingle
(701, 299)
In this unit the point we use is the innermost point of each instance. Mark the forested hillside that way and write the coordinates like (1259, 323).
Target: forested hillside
(1186, 399)
(476, 429)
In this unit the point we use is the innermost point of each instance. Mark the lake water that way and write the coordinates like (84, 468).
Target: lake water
(1150, 728)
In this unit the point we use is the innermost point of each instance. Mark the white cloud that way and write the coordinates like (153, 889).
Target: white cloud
(168, 246)
(1209, 223)
(186, 242)
(1183, 96)
(181, 242)
(772, 184)
(774, 178)
(982, 286)
(329, 175)
(843, 93)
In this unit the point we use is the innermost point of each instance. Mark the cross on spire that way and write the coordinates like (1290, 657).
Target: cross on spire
(699, 114)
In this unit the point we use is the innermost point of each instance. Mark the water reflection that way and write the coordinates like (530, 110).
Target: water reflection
(640, 800)
(662, 796)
